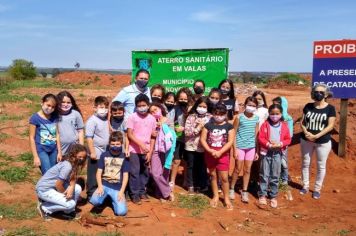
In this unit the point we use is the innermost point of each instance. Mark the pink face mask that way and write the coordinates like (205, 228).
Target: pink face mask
(158, 114)
(275, 118)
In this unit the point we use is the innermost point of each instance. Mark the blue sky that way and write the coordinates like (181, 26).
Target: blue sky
(262, 35)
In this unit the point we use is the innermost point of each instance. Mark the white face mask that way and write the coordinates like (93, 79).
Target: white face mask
(202, 110)
(250, 109)
(66, 107)
(102, 112)
(219, 119)
(47, 110)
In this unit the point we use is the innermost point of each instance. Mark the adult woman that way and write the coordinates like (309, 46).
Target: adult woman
(317, 123)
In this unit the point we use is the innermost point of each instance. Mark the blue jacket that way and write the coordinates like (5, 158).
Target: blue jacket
(286, 116)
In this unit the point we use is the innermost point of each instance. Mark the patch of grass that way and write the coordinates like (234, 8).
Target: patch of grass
(343, 232)
(26, 157)
(3, 136)
(196, 203)
(282, 187)
(18, 212)
(81, 95)
(97, 78)
(4, 156)
(6, 96)
(14, 174)
(5, 117)
(25, 133)
(109, 234)
(25, 231)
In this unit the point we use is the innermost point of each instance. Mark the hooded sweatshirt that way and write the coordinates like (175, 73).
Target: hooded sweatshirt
(287, 118)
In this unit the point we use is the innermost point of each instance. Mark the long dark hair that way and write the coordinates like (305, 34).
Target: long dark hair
(274, 106)
(259, 92)
(160, 106)
(231, 94)
(196, 104)
(189, 96)
(71, 157)
(50, 96)
(63, 94)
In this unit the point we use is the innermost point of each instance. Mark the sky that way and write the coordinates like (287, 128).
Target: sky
(275, 35)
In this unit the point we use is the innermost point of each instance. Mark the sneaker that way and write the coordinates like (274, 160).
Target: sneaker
(71, 215)
(303, 191)
(171, 185)
(191, 191)
(316, 195)
(232, 194)
(274, 203)
(42, 213)
(136, 200)
(244, 197)
(145, 198)
(262, 200)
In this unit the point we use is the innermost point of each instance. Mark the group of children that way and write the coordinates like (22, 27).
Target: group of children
(124, 151)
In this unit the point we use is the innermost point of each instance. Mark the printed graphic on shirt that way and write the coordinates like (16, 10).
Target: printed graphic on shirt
(217, 138)
(112, 169)
(48, 134)
(316, 121)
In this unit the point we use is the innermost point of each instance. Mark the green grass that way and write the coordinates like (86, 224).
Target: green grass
(14, 174)
(98, 234)
(3, 136)
(343, 232)
(5, 117)
(196, 203)
(26, 157)
(25, 231)
(18, 212)
(4, 156)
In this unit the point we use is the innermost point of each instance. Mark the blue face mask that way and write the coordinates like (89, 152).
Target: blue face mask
(116, 149)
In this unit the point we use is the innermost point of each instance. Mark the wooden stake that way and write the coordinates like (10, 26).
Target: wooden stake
(343, 127)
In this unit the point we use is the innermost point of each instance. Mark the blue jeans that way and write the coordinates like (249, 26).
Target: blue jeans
(120, 207)
(284, 167)
(138, 175)
(54, 201)
(270, 170)
(48, 159)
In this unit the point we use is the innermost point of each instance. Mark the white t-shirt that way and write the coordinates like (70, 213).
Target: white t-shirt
(262, 114)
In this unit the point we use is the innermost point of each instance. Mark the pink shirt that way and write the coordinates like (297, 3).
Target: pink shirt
(142, 127)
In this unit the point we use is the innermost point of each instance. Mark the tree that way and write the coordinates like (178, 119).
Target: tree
(21, 69)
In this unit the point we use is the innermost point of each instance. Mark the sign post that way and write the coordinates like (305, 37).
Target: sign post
(175, 69)
(334, 64)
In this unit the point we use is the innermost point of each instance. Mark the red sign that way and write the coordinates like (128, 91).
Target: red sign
(335, 49)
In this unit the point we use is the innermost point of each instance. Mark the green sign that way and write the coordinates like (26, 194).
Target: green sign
(175, 69)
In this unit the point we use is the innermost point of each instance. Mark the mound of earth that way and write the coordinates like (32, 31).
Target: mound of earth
(97, 79)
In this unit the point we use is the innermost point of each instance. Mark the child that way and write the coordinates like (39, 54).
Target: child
(214, 98)
(57, 188)
(70, 125)
(226, 87)
(169, 102)
(162, 156)
(97, 135)
(273, 138)
(118, 122)
(112, 175)
(184, 100)
(44, 136)
(286, 117)
(140, 130)
(246, 126)
(262, 110)
(194, 152)
(157, 93)
(217, 138)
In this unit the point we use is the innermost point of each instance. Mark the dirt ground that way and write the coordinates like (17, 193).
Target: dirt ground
(333, 214)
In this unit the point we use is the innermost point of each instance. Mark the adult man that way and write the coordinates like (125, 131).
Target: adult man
(128, 94)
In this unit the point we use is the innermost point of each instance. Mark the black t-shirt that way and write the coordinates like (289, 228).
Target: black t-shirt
(315, 120)
(230, 106)
(217, 134)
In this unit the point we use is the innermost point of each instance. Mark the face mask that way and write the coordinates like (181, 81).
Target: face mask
(183, 104)
(318, 96)
(224, 91)
(156, 99)
(250, 109)
(102, 112)
(81, 161)
(219, 119)
(202, 110)
(213, 101)
(198, 90)
(141, 83)
(66, 107)
(47, 110)
(260, 103)
(169, 105)
(116, 148)
(118, 118)
(142, 110)
(157, 115)
(275, 118)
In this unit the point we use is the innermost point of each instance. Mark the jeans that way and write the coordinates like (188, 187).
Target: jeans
(138, 175)
(322, 153)
(54, 201)
(196, 169)
(270, 170)
(120, 207)
(159, 174)
(91, 177)
(48, 160)
(284, 167)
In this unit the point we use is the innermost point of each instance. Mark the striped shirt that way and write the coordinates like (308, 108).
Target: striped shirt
(246, 136)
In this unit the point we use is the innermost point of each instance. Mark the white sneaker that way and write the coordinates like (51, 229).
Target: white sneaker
(232, 194)
(171, 185)
(244, 197)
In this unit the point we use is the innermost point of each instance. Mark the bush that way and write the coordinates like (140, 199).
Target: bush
(290, 78)
(22, 70)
